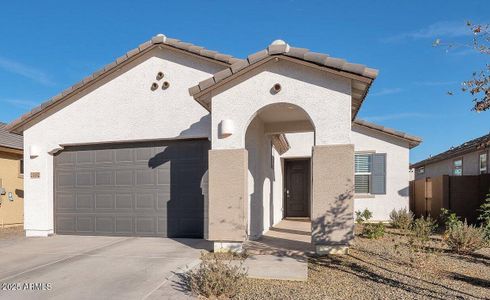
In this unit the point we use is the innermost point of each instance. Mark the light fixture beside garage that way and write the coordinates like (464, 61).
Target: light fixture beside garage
(34, 151)
(226, 128)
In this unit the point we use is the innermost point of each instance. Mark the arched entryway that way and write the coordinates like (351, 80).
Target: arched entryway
(279, 139)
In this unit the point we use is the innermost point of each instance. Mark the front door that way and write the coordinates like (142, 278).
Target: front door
(297, 188)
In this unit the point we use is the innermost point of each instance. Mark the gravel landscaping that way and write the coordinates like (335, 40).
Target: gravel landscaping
(387, 268)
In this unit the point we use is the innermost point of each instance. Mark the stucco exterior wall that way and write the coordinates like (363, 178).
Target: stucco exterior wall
(264, 181)
(11, 212)
(120, 108)
(397, 172)
(471, 165)
(325, 98)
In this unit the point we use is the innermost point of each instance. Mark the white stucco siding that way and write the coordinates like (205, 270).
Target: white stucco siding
(120, 108)
(325, 98)
(397, 172)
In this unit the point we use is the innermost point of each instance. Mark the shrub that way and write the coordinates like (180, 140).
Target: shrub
(422, 228)
(464, 238)
(373, 230)
(363, 216)
(401, 219)
(449, 219)
(484, 217)
(216, 278)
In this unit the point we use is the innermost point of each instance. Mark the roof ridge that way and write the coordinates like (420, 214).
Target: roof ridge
(159, 39)
(280, 47)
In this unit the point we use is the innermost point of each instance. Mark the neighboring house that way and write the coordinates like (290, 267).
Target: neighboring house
(139, 149)
(470, 158)
(11, 178)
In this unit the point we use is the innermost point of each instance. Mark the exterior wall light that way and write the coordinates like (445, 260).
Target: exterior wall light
(226, 128)
(34, 151)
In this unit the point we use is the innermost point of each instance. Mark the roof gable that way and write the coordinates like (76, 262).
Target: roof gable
(360, 75)
(159, 40)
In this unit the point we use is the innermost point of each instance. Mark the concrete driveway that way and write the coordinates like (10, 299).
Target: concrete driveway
(79, 267)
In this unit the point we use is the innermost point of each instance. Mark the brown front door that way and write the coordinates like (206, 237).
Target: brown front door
(297, 188)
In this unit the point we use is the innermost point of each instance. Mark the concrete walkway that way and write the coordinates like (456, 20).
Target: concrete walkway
(83, 267)
(276, 267)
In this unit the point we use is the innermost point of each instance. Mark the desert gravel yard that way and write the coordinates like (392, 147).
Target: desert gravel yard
(385, 269)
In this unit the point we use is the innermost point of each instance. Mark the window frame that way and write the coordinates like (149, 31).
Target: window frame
(454, 167)
(21, 167)
(369, 174)
(483, 170)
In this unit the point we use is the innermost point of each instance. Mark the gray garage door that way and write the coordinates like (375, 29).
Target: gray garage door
(141, 189)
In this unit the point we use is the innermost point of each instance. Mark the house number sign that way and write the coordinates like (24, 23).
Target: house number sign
(35, 174)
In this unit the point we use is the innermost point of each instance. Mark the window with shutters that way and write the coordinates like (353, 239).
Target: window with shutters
(363, 173)
(370, 173)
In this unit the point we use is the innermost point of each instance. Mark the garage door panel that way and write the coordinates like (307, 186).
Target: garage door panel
(146, 189)
(85, 201)
(104, 201)
(84, 158)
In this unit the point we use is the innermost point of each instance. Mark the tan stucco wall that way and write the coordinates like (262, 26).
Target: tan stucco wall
(227, 209)
(332, 219)
(11, 212)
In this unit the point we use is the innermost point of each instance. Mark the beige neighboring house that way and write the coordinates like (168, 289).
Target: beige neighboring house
(174, 140)
(469, 158)
(11, 179)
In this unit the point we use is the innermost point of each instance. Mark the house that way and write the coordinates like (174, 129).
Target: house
(175, 140)
(469, 158)
(11, 178)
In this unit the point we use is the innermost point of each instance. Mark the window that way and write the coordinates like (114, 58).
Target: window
(421, 170)
(21, 167)
(458, 167)
(483, 163)
(363, 165)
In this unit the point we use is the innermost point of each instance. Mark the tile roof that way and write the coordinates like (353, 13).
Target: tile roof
(413, 140)
(10, 140)
(281, 48)
(481, 142)
(156, 41)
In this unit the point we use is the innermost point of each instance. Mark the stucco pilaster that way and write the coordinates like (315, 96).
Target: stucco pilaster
(332, 207)
(227, 195)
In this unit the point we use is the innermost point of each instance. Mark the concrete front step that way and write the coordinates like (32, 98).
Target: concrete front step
(275, 267)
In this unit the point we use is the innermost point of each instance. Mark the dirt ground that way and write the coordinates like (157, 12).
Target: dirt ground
(387, 268)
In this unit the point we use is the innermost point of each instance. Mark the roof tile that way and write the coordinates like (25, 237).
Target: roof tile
(206, 83)
(222, 75)
(315, 57)
(257, 56)
(297, 52)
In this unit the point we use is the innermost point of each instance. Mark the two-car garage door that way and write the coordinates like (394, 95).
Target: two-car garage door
(140, 189)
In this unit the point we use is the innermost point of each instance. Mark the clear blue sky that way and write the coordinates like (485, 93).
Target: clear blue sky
(46, 46)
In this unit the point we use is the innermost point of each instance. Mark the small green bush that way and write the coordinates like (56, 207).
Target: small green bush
(449, 219)
(373, 230)
(484, 217)
(363, 216)
(422, 228)
(215, 278)
(464, 238)
(401, 219)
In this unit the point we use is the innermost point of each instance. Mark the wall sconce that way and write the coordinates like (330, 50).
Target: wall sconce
(226, 128)
(34, 151)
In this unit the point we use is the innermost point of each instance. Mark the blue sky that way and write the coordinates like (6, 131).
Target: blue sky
(46, 46)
